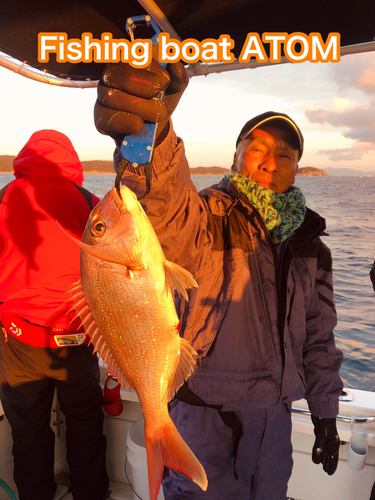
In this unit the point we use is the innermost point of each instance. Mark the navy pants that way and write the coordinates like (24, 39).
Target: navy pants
(264, 461)
(29, 376)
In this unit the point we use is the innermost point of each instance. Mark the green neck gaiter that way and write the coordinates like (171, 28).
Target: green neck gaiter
(282, 213)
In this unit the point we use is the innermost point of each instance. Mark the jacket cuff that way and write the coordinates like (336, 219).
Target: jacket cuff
(325, 409)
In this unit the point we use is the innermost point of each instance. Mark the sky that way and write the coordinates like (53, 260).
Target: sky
(333, 104)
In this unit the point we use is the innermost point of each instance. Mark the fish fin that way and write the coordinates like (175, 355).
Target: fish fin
(79, 304)
(100, 346)
(119, 254)
(114, 368)
(177, 277)
(82, 310)
(96, 339)
(110, 253)
(76, 288)
(184, 369)
(167, 448)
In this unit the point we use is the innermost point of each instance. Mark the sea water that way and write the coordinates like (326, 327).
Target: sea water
(347, 204)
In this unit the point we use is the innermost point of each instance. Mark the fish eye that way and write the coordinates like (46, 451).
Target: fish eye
(98, 229)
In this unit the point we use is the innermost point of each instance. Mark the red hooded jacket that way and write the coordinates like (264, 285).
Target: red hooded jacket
(38, 262)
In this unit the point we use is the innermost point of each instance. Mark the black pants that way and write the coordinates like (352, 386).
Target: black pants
(29, 376)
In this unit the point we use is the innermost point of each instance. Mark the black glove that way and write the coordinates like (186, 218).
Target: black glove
(327, 443)
(126, 97)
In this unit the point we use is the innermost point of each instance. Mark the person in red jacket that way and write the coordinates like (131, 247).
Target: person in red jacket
(40, 349)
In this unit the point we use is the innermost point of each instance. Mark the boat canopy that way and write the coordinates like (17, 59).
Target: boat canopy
(22, 20)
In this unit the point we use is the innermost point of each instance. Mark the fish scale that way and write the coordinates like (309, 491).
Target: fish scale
(127, 291)
(127, 284)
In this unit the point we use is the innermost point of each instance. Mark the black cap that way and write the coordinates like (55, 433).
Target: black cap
(279, 119)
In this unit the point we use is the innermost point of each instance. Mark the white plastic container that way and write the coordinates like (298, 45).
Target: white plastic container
(358, 448)
(137, 460)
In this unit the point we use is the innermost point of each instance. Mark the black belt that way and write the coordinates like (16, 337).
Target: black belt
(229, 418)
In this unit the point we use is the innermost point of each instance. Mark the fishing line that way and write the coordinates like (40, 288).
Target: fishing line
(148, 174)
(121, 169)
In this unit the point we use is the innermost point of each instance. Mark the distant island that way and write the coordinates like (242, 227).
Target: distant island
(6, 163)
(89, 167)
(209, 171)
(311, 171)
(106, 167)
(98, 167)
(222, 171)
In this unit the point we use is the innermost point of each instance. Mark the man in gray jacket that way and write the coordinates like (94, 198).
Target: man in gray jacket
(262, 318)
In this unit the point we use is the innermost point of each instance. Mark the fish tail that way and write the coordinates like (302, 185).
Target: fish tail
(167, 448)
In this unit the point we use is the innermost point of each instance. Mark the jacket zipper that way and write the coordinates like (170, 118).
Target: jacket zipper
(279, 273)
(284, 273)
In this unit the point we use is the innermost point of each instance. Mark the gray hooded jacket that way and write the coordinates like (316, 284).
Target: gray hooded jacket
(262, 318)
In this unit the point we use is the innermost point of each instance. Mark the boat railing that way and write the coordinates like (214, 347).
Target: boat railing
(357, 420)
(356, 406)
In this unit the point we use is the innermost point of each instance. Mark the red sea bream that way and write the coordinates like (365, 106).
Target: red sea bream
(125, 301)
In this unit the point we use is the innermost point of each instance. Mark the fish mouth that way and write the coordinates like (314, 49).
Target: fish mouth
(117, 198)
(124, 199)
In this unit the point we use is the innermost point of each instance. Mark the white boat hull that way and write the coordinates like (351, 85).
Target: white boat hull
(308, 481)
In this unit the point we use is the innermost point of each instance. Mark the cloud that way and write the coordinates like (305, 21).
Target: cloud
(356, 71)
(366, 135)
(340, 104)
(352, 115)
(316, 115)
(353, 153)
(357, 122)
(354, 76)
